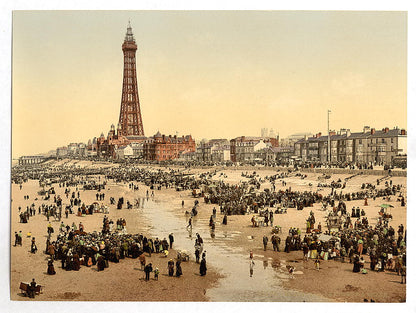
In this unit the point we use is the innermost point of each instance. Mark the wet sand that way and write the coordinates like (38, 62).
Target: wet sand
(123, 281)
(227, 254)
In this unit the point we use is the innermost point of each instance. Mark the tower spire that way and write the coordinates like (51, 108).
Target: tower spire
(130, 120)
(129, 34)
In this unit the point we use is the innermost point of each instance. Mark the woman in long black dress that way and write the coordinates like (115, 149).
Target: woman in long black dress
(76, 264)
(33, 247)
(203, 267)
(51, 268)
(100, 263)
(178, 268)
(356, 268)
(171, 267)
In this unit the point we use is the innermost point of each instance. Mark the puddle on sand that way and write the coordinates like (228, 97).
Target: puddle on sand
(237, 285)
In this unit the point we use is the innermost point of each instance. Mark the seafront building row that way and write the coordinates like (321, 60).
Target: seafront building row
(370, 146)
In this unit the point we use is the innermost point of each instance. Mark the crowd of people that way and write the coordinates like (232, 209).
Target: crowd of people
(75, 248)
(385, 247)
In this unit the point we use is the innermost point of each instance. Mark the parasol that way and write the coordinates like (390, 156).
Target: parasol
(324, 237)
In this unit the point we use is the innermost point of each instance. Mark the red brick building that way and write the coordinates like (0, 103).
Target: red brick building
(161, 147)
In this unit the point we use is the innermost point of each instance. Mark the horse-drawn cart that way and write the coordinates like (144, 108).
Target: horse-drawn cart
(334, 223)
(384, 211)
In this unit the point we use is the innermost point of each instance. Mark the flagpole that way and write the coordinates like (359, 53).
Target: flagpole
(329, 141)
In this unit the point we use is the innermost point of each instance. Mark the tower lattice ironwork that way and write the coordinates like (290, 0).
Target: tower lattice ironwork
(130, 121)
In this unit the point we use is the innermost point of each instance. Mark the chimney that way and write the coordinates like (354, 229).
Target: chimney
(348, 132)
(318, 135)
(366, 129)
(403, 132)
(332, 133)
(373, 130)
(386, 130)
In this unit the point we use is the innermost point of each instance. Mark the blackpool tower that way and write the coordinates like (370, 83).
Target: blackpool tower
(130, 121)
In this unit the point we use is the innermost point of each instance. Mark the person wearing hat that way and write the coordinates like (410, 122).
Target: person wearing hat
(20, 237)
(356, 266)
(16, 238)
(171, 240)
(360, 246)
(171, 267)
(265, 241)
(147, 270)
(156, 271)
(31, 289)
(178, 268)
(203, 266)
(51, 268)
(251, 267)
(142, 260)
(33, 247)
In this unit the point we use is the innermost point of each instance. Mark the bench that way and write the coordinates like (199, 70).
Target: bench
(24, 287)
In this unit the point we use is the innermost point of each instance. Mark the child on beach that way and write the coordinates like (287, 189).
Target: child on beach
(317, 263)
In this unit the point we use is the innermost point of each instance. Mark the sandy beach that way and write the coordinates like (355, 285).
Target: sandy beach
(225, 281)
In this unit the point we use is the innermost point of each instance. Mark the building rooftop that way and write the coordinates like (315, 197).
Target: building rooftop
(358, 135)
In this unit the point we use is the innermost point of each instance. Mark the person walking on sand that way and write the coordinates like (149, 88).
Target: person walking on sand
(16, 238)
(171, 240)
(142, 260)
(171, 267)
(317, 264)
(20, 237)
(51, 268)
(156, 271)
(305, 249)
(251, 264)
(203, 266)
(265, 241)
(197, 253)
(178, 268)
(33, 248)
(147, 270)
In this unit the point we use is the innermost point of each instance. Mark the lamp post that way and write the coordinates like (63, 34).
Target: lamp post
(329, 141)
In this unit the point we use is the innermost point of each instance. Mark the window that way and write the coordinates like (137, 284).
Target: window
(392, 140)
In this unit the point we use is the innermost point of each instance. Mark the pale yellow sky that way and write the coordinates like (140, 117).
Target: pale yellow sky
(213, 74)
